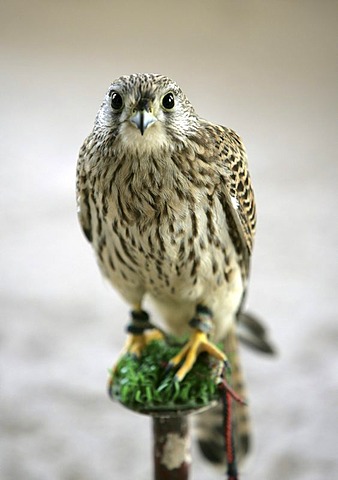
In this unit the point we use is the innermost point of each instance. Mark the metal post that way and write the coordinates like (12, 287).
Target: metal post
(172, 457)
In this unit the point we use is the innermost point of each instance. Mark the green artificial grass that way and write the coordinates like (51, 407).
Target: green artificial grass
(144, 384)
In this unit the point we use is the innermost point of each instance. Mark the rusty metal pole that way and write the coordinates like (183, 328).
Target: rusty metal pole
(172, 457)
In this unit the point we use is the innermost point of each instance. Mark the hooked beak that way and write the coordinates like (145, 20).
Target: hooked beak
(143, 118)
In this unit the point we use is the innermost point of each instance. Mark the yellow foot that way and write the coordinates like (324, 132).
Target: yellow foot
(136, 343)
(197, 344)
(141, 332)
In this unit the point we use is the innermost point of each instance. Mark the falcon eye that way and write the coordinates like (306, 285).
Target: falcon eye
(116, 101)
(168, 101)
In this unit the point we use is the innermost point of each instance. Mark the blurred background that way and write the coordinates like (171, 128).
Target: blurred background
(267, 70)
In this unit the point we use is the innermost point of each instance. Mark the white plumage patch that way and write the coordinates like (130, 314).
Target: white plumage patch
(234, 202)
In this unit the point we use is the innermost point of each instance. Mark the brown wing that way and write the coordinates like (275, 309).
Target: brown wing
(82, 194)
(237, 196)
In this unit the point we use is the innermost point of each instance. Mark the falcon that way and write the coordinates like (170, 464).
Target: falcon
(165, 199)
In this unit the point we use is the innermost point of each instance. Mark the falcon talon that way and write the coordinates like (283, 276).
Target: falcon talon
(168, 367)
(227, 366)
(134, 355)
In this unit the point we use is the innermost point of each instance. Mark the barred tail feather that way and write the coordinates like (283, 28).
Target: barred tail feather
(251, 332)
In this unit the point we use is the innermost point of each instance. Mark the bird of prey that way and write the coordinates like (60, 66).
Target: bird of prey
(166, 200)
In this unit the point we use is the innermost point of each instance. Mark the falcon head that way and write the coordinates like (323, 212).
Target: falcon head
(146, 111)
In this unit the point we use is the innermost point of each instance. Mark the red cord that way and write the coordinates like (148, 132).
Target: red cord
(228, 394)
(228, 432)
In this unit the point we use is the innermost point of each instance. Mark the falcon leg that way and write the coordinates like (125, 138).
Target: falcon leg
(141, 332)
(197, 344)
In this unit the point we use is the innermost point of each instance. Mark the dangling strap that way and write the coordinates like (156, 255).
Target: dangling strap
(228, 394)
(229, 438)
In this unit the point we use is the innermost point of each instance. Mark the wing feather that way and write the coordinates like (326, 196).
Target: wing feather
(236, 194)
(82, 196)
